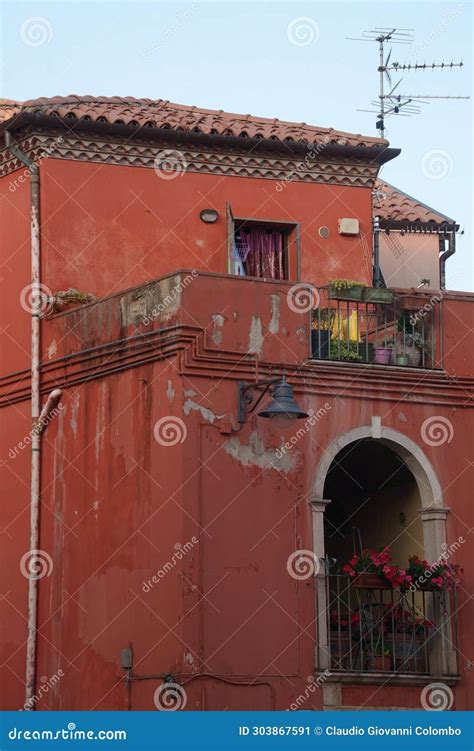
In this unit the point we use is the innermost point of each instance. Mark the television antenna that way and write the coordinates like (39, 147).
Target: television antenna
(392, 102)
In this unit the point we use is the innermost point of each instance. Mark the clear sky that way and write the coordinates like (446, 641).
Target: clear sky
(261, 58)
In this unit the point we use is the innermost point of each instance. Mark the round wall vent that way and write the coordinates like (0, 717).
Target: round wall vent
(324, 232)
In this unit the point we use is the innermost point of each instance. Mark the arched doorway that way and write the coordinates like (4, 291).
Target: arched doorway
(374, 487)
(375, 502)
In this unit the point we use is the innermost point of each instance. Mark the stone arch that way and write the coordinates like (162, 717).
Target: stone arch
(433, 514)
(431, 493)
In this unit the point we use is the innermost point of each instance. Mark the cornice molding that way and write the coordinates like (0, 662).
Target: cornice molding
(208, 159)
(199, 358)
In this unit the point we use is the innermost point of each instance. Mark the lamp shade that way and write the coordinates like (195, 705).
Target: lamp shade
(283, 404)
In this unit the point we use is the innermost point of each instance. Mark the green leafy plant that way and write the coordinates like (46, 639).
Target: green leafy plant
(438, 576)
(323, 319)
(343, 350)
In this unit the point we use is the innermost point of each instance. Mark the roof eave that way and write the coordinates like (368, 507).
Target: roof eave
(379, 153)
(415, 224)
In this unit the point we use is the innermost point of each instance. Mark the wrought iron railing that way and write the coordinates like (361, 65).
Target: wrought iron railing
(377, 629)
(403, 331)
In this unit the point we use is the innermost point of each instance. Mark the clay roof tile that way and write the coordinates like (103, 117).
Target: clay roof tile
(160, 112)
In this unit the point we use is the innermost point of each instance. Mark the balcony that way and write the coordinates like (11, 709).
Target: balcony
(398, 328)
(375, 630)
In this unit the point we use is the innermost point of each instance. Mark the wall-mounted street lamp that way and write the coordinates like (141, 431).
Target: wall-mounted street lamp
(282, 405)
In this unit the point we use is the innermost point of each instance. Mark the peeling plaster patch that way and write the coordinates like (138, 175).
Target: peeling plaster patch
(255, 336)
(302, 334)
(189, 392)
(402, 417)
(95, 505)
(218, 322)
(200, 243)
(170, 391)
(275, 319)
(74, 412)
(235, 316)
(206, 413)
(255, 455)
(52, 349)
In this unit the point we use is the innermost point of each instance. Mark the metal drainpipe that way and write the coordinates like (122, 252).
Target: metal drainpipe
(444, 257)
(35, 409)
(376, 272)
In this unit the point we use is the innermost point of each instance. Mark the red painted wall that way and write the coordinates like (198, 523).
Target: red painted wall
(138, 226)
(117, 501)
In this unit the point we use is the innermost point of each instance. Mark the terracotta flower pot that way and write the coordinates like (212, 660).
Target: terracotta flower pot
(379, 663)
(370, 581)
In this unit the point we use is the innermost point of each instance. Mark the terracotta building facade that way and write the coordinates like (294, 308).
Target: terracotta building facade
(180, 267)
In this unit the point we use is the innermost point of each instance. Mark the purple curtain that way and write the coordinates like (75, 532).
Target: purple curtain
(265, 256)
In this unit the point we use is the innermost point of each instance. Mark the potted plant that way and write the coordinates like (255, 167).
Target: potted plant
(379, 295)
(409, 342)
(345, 289)
(439, 576)
(382, 354)
(402, 359)
(322, 320)
(345, 350)
(367, 569)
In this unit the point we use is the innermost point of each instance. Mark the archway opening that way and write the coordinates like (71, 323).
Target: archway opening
(375, 502)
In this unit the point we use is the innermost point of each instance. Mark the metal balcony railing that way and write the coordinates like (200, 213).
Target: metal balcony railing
(405, 330)
(375, 629)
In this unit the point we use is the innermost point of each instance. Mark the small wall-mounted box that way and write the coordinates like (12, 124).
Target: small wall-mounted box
(348, 226)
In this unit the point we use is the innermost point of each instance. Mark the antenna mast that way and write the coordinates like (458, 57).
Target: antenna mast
(398, 104)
